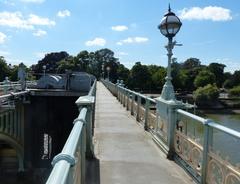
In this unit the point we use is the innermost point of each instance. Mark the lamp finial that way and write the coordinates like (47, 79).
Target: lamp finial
(169, 8)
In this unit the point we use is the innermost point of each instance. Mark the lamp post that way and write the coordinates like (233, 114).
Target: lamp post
(103, 70)
(169, 27)
(108, 70)
(44, 70)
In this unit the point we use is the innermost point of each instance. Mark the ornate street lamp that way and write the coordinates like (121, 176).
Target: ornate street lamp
(169, 27)
(44, 70)
(103, 70)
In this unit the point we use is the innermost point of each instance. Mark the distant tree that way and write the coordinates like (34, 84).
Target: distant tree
(236, 78)
(140, 77)
(50, 61)
(206, 95)
(191, 63)
(218, 70)
(158, 78)
(235, 91)
(123, 73)
(176, 74)
(203, 78)
(4, 69)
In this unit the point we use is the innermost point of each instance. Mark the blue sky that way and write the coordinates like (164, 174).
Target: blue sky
(31, 28)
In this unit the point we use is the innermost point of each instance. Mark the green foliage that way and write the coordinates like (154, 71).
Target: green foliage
(206, 94)
(4, 69)
(158, 78)
(140, 77)
(191, 63)
(235, 91)
(203, 78)
(218, 70)
(228, 84)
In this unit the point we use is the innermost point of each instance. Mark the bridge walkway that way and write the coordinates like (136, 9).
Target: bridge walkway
(125, 153)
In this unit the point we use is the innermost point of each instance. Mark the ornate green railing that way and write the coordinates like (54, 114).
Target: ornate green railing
(207, 150)
(69, 165)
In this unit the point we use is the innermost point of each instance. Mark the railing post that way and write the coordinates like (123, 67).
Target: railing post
(205, 151)
(121, 95)
(138, 107)
(132, 105)
(124, 97)
(167, 117)
(147, 104)
(88, 102)
(127, 100)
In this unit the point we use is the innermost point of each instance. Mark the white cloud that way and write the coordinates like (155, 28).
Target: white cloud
(17, 20)
(3, 38)
(64, 13)
(96, 42)
(4, 53)
(40, 33)
(133, 40)
(36, 20)
(14, 19)
(119, 28)
(213, 13)
(33, 1)
(9, 3)
(40, 55)
(122, 53)
(141, 39)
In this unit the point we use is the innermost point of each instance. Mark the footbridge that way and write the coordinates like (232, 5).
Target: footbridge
(142, 140)
(114, 135)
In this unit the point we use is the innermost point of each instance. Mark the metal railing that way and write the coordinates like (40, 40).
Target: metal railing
(207, 150)
(69, 165)
(7, 87)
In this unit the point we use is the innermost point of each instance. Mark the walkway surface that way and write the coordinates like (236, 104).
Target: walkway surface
(125, 153)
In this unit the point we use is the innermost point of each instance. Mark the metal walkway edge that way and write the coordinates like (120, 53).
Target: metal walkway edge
(126, 153)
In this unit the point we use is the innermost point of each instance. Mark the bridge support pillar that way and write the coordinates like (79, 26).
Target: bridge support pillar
(88, 102)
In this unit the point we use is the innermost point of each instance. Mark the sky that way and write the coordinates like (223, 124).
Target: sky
(31, 28)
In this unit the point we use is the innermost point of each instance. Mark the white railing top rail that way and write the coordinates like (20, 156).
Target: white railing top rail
(63, 161)
(90, 93)
(133, 92)
(210, 123)
(14, 94)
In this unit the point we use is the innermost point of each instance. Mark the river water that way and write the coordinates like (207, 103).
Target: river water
(225, 118)
(226, 145)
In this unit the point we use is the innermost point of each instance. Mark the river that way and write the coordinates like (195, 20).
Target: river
(228, 146)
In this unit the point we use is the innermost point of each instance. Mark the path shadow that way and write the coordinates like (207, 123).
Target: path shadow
(92, 171)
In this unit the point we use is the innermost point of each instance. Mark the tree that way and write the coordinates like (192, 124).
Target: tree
(50, 61)
(191, 63)
(140, 77)
(236, 78)
(4, 69)
(235, 91)
(203, 78)
(123, 73)
(206, 95)
(218, 70)
(158, 78)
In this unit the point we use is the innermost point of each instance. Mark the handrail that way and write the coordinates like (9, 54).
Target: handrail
(176, 135)
(14, 94)
(63, 161)
(79, 143)
(193, 116)
(90, 93)
(224, 129)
